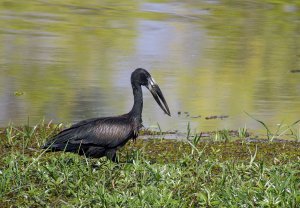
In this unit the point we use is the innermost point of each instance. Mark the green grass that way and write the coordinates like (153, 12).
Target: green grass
(228, 172)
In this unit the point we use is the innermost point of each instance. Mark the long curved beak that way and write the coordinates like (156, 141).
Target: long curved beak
(158, 96)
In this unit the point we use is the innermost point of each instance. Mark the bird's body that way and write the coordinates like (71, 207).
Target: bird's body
(98, 137)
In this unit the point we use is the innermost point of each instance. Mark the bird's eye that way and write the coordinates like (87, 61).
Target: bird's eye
(144, 79)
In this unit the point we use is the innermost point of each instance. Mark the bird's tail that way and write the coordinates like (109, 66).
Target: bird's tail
(60, 142)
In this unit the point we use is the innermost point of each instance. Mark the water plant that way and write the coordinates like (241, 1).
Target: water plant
(280, 131)
(294, 129)
(222, 135)
(188, 131)
(243, 132)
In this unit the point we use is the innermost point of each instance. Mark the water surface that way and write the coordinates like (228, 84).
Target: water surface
(69, 60)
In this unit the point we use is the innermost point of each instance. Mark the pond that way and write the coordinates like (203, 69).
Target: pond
(215, 61)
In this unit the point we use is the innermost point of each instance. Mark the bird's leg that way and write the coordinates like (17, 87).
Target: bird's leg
(111, 154)
(135, 135)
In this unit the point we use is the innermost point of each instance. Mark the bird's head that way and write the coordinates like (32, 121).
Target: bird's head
(142, 77)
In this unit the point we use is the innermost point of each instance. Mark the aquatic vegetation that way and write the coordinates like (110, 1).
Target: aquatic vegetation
(280, 131)
(243, 133)
(200, 172)
(222, 135)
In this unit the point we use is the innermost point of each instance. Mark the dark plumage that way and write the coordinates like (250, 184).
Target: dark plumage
(98, 137)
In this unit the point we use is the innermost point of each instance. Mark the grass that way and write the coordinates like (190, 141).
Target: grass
(280, 130)
(227, 172)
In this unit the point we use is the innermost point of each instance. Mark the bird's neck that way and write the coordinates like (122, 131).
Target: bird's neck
(137, 108)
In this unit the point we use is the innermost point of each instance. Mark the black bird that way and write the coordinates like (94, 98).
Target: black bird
(98, 137)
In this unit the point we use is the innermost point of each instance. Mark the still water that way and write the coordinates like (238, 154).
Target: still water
(70, 60)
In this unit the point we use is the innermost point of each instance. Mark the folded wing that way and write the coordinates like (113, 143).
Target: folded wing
(101, 133)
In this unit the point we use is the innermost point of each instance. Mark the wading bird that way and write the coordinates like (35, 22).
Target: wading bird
(98, 137)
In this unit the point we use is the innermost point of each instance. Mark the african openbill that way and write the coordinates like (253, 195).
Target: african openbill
(98, 137)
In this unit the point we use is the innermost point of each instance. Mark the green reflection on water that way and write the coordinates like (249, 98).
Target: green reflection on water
(73, 59)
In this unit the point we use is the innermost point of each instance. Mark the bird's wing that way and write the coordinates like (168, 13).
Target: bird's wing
(107, 132)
